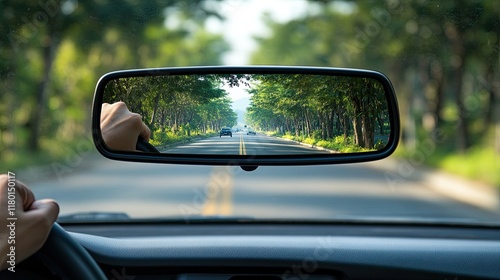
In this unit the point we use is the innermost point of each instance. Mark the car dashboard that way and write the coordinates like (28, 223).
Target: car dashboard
(290, 251)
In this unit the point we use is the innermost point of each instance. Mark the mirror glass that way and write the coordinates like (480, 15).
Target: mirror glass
(257, 114)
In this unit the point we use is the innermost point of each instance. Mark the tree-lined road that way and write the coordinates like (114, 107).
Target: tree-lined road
(295, 192)
(242, 144)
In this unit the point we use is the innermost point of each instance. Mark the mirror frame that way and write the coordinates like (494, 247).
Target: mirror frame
(247, 160)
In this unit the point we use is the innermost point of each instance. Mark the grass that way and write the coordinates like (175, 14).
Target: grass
(478, 163)
(67, 153)
(23, 159)
(338, 143)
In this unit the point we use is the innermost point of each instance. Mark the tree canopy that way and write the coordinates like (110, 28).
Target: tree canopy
(443, 58)
(53, 52)
(320, 106)
(192, 103)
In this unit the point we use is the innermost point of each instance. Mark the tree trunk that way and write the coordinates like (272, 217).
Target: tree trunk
(408, 111)
(358, 134)
(438, 76)
(492, 87)
(345, 127)
(495, 100)
(37, 117)
(10, 100)
(492, 114)
(329, 129)
(380, 125)
(368, 132)
(163, 124)
(462, 125)
(155, 108)
(338, 125)
(323, 122)
(307, 124)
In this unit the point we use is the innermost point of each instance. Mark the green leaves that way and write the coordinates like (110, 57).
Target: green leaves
(305, 104)
(177, 103)
(53, 52)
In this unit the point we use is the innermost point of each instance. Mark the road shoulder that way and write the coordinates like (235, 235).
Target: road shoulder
(474, 193)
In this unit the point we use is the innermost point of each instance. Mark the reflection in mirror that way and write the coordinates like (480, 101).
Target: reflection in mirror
(257, 114)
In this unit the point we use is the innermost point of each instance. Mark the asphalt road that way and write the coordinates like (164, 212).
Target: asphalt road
(243, 144)
(95, 184)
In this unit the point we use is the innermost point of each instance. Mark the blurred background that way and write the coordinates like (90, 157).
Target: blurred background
(442, 57)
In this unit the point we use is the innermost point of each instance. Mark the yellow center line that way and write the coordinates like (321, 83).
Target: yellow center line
(219, 195)
(226, 202)
(220, 200)
(243, 150)
(241, 144)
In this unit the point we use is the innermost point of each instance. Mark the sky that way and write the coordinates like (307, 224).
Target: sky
(243, 21)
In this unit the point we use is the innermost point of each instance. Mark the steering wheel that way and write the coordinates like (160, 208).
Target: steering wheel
(68, 259)
(145, 146)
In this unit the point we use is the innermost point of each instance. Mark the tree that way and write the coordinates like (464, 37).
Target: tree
(41, 27)
(174, 102)
(305, 105)
(411, 43)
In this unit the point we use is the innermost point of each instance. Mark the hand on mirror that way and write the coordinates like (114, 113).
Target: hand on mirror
(121, 128)
(26, 234)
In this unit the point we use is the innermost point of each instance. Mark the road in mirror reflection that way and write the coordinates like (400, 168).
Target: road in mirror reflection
(336, 114)
(242, 144)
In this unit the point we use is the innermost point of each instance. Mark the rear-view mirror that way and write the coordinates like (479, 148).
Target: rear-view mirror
(248, 116)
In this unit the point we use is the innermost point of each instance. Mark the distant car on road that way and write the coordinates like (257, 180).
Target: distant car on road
(225, 131)
(251, 131)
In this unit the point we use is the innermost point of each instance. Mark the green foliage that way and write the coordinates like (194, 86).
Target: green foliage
(181, 103)
(338, 144)
(166, 139)
(479, 163)
(48, 71)
(343, 145)
(442, 57)
(314, 107)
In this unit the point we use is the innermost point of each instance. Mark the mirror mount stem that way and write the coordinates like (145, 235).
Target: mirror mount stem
(248, 168)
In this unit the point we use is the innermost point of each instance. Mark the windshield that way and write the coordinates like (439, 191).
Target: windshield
(442, 58)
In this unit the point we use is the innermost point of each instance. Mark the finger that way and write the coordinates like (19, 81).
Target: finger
(3, 180)
(104, 111)
(105, 107)
(26, 195)
(46, 208)
(145, 132)
(34, 226)
(120, 105)
(111, 111)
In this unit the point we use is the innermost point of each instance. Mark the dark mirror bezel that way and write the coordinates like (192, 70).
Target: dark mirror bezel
(247, 160)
